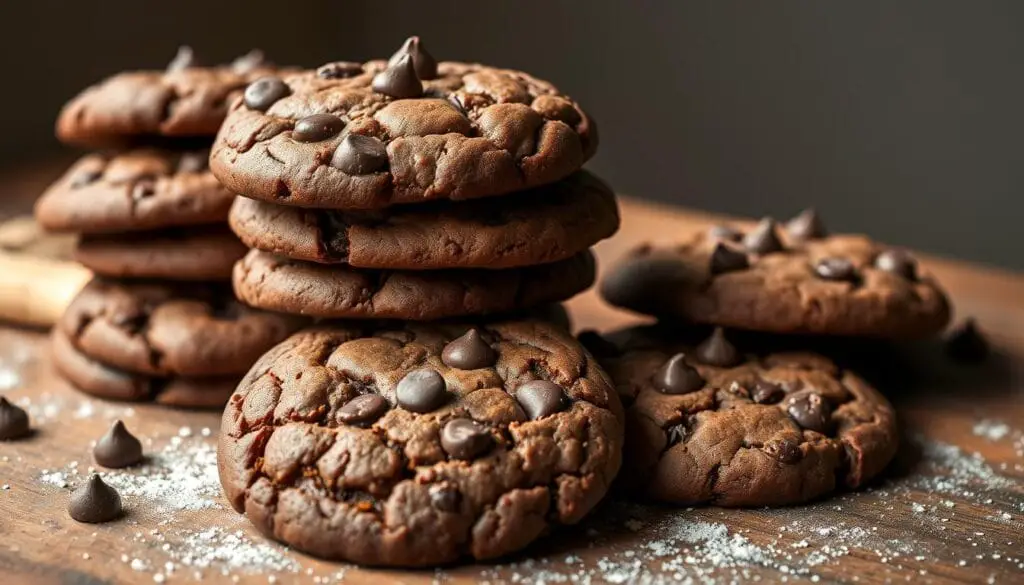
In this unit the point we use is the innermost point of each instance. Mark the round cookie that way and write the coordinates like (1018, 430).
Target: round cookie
(102, 381)
(351, 136)
(782, 281)
(420, 444)
(134, 190)
(708, 423)
(550, 223)
(199, 253)
(164, 328)
(305, 288)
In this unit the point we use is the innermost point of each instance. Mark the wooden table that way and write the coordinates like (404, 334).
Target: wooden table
(950, 509)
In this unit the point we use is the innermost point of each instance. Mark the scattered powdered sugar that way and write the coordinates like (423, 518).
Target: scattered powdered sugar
(951, 471)
(991, 430)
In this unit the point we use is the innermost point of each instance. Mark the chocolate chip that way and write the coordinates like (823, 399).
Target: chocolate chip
(317, 127)
(13, 421)
(812, 412)
(678, 377)
(360, 155)
(469, 352)
(399, 80)
(421, 391)
(765, 392)
(764, 239)
(806, 226)
(785, 450)
(897, 262)
(717, 351)
(966, 344)
(94, 502)
(248, 62)
(540, 398)
(118, 448)
(463, 438)
(193, 162)
(839, 269)
(339, 70)
(363, 410)
(724, 232)
(725, 259)
(445, 498)
(85, 178)
(184, 59)
(144, 187)
(676, 434)
(596, 344)
(265, 92)
(425, 64)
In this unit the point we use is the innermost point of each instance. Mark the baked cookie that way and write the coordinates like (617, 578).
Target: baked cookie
(165, 328)
(102, 381)
(710, 423)
(366, 136)
(198, 253)
(417, 445)
(548, 224)
(134, 190)
(782, 281)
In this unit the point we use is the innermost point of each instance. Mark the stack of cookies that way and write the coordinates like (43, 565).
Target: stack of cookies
(159, 320)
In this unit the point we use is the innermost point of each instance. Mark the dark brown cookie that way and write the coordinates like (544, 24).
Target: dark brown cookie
(164, 329)
(832, 285)
(134, 190)
(548, 224)
(293, 286)
(364, 444)
(102, 381)
(767, 429)
(198, 253)
(333, 139)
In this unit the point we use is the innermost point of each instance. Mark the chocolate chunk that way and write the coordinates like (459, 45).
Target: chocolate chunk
(248, 62)
(399, 80)
(265, 92)
(765, 392)
(811, 411)
(360, 155)
(839, 269)
(193, 162)
(424, 63)
(717, 351)
(13, 421)
(897, 262)
(469, 352)
(445, 498)
(966, 344)
(806, 226)
(421, 391)
(785, 450)
(85, 178)
(724, 232)
(596, 344)
(339, 70)
(363, 410)
(764, 239)
(725, 259)
(118, 448)
(540, 398)
(678, 377)
(317, 127)
(463, 438)
(94, 502)
(184, 59)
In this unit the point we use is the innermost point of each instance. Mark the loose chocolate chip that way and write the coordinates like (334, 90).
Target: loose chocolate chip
(248, 62)
(421, 391)
(725, 259)
(317, 127)
(445, 498)
(425, 64)
(717, 351)
(193, 162)
(339, 70)
(85, 178)
(463, 438)
(360, 155)
(399, 80)
(118, 448)
(839, 269)
(897, 262)
(469, 352)
(765, 392)
(363, 410)
(806, 226)
(764, 239)
(785, 450)
(678, 377)
(724, 232)
(596, 344)
(13, 421)
(184, 59)
(811, 411)
(540, 398)
(676, 434)
(94, 502)
(966, 344)
(265, 92)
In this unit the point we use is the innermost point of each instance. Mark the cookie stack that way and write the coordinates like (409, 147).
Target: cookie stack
(159, 320)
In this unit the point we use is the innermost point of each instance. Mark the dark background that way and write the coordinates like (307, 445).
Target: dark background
(899, 119)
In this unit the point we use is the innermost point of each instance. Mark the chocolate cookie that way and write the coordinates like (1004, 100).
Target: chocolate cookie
(549, 223)
(770, 280)
(163, 328)
(134, 190)
(351, 136)
(709, 422)
(293, 286)
(100, 380)
(418, 445)
(198, 253)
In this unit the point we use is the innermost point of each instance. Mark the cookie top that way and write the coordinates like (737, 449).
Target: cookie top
(305, 288)
(782, 281)
(196, 253)
(550, 223)
(184, 100)
(133, 190)
(710, 422)
(366, 136)
(418, 445)
(163, 328)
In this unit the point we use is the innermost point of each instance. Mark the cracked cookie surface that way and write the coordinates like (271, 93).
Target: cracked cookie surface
(196, 253)
(418, 445)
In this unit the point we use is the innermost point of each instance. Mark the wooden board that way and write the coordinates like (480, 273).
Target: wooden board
(950, 509)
